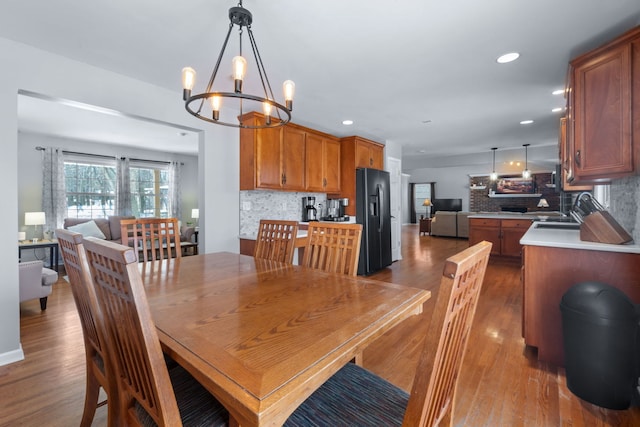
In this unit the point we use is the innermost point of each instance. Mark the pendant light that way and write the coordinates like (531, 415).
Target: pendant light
(494, 175)
(208, 104)
(526, 173)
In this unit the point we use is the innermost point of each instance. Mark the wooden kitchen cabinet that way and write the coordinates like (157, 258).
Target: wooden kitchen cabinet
(323, 163)
(512, 232)
(271, 158)
(357, 152)
(603, 104)
(293, 156)
(486, 229)
(505, 234)
(549, 272)
(567, 167)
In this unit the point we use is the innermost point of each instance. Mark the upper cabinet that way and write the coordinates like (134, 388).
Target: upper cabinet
(288, 158)
(567, 166)
(603, 112)
(323, 163)
(357, 152)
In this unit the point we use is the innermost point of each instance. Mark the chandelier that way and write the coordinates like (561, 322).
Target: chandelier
(208, 104)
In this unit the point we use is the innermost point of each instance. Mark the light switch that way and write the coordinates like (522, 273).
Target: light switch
(246, 206)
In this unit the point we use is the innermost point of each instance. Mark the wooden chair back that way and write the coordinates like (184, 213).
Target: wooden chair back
(433, 393)
(333, 247)
(77, 269)
(154, 238)
(276, 240)
(140, 372)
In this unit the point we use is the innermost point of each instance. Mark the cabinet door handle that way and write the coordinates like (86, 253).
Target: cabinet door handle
(324, 182)
(284, 179)
(370, 162)
(577, 157)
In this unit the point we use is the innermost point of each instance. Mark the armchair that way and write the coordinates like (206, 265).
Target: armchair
(36, 281)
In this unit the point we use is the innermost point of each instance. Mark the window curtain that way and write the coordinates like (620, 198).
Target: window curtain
(123, 190)
(175, 185)
(412, 203)
(54, 195)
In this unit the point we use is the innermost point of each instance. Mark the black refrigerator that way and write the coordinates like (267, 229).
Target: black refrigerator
(373, 211)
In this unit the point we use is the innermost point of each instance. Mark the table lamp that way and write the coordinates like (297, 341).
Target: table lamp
(427, 204)
(195, 214)
(35, 219)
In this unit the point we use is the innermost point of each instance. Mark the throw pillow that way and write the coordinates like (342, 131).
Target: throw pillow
(88, 229)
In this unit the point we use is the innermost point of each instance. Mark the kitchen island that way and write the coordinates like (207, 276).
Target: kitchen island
(554, 259)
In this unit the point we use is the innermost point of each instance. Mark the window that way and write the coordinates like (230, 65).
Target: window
(90, 188)
(150, 192)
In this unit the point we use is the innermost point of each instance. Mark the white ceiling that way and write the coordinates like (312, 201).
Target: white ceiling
(420, 73)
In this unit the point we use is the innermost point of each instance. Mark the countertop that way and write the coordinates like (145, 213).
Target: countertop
(556, 235)
(516, 215)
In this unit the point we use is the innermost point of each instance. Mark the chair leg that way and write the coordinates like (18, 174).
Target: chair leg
(92, 393)
(43, 303)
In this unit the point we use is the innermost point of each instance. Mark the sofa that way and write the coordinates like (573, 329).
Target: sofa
(109, 227)
(450, 224)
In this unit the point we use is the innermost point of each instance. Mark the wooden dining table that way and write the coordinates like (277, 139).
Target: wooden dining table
(262, 336)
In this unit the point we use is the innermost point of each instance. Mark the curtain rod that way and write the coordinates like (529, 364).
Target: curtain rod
(103, 156)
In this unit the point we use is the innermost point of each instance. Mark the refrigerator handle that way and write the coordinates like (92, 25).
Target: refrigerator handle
(380, 209)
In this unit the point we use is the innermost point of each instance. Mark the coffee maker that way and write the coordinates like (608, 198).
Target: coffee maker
(335, 210)
(309, 211)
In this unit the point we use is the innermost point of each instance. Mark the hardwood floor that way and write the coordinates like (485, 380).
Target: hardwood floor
(502, 383)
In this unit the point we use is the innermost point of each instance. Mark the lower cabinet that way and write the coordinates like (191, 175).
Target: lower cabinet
(549, 272)
(505, 234)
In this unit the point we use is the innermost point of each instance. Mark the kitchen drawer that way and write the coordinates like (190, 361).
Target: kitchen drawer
(484, 222)
(516, 223)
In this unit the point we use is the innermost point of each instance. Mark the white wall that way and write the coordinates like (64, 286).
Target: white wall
(34, 70)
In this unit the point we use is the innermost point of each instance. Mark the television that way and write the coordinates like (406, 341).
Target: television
(446, 205)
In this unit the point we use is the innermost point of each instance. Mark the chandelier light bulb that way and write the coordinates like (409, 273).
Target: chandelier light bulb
(266, 109)
(493, 176)
(289, 89)
(188, 81)
(216, 101)
(239, 65)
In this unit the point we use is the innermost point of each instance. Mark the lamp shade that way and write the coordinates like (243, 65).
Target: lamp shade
(543, 203)
(427, 202)
(195, 213)
(34, 218)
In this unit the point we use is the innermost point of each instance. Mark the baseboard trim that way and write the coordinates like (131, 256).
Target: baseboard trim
(12, 356)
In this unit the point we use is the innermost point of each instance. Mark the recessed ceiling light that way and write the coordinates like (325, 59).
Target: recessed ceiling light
(526, 122)
(347, 122)
(558, 92)
(557, 110)
(508, 57)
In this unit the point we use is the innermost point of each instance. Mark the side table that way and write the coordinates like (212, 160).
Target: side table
(42, 244)
(425, 226)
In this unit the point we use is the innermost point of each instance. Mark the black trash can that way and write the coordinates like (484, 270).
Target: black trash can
(600, 334)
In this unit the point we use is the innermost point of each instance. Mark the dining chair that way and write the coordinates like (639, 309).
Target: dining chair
(275, 240)
(148, 392)
(75, 264)
(355, 396)
(154, 238)
(333, 247)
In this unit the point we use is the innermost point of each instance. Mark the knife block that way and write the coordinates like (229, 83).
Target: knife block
(602, 228)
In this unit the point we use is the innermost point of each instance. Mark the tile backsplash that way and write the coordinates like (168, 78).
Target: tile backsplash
(625, 197)
(263, 204)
